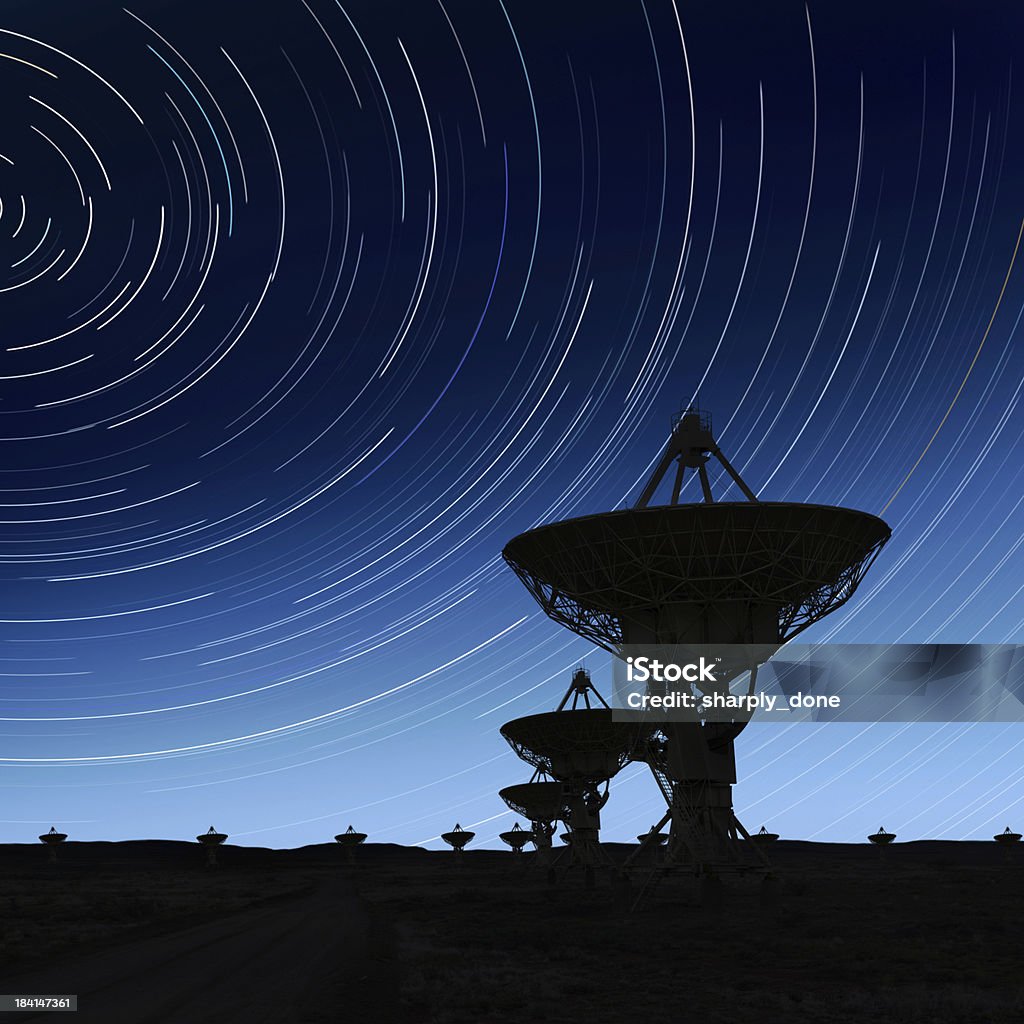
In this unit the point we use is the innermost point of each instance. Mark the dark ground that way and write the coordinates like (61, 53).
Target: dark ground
(145, 934)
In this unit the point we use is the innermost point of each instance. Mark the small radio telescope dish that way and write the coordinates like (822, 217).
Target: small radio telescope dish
(537, 801)
(350, 837)
(53, 839)
(652, 838)
(349, 840)
(458, 839)
(516, 837)
(1007, 837)
(211, 840)
(881, 837)
(764, 836)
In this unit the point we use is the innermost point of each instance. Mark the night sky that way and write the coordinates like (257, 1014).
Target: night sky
(310, 307)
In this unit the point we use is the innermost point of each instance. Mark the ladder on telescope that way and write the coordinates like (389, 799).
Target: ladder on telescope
(685, 827)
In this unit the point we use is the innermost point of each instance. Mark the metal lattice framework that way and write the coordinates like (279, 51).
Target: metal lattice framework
(595, 573)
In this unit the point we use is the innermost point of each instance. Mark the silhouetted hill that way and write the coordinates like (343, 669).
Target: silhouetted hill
(845, 933)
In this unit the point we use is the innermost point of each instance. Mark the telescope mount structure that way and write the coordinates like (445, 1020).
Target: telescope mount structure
(746, 572)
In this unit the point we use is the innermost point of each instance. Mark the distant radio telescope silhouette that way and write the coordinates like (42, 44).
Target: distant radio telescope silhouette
(211, 840)
(53, 839)
(458, 839)
(652, 838)
(516, 838)
(764, 836)
(1007, 838)
(652, 849)
(881, 837)
(725, 572)
(350, 839)
(583, 748)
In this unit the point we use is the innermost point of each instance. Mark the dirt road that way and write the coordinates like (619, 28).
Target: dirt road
(314, 958)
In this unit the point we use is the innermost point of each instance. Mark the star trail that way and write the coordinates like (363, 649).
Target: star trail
(309, 308)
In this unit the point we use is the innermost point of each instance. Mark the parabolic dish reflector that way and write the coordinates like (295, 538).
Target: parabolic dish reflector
(593, 572)
(586, 745)
(350, 837)
(517, 837)
(538, 801)
(457, 839)
(653, 838)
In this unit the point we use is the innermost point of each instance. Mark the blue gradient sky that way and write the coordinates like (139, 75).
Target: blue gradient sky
(308, 311)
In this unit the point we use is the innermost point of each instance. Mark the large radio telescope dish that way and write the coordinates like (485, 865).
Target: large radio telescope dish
(618, 577)
(587, 746)
(736, 572)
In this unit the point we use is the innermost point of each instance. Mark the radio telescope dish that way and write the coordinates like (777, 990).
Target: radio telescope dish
(537, 801)
(575, 746)
(458, 839)
(53, 839)
(764, 836)
(516, 837)
(652, 838)
(640, 575)
(735, 572)
(881, 837)
(211, 840)
(349, 840)
(1007, 837)
(583, 745)
(350, 837)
